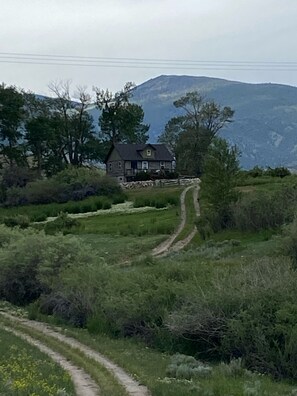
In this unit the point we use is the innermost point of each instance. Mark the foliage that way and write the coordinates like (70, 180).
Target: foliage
(248, 313)
(60, 131)
(219, 180)
(17, 176)
(63, 223)
(21, 221)
(160, 201)
(12, 114)
(191, 134)
(187, 367)
(278, 172)
(40, 212)
(31, 262)
(273, 172)
(120, 121)
(70, 184)
(289, 241)
(263, 210)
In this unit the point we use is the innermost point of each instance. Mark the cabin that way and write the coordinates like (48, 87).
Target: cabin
(124, 161)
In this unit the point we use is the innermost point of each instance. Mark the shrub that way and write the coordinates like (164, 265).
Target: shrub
(289, 241)
(234, 368)
(62, 223)
(21, 221)
(278, 172)
(142, 176)
(256, 171)
(70, 184)
(264, 210)
(38, 217)
(106, 204)
(17, 176)
(119, 198)
(249, 313)
(31, 263)
(187, 367)
(157, 201)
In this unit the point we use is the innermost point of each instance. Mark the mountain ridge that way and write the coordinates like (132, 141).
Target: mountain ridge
(265, 114)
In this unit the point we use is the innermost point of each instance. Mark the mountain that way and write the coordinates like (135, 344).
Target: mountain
(265, 120)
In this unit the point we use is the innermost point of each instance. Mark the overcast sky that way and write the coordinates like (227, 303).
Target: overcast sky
(216, 30)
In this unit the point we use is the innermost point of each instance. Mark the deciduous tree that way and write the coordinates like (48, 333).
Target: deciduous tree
(120, 120)
(12, 113)
(191, 133)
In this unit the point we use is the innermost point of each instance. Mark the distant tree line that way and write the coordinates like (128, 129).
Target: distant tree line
(59, 131)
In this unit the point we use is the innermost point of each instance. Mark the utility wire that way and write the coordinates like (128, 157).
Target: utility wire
(144, 63)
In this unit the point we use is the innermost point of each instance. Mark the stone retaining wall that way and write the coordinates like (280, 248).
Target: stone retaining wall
(159, 183)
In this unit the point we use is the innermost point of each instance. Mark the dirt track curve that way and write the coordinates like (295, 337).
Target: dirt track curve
(131, 386)
(83, 384)
(169, 245)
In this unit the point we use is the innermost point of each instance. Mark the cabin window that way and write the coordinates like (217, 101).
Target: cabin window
(162, 164)
(120, 164)
(110, 166)
(149, 153)
(144, 165)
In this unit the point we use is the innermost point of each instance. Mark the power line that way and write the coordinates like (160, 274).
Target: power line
(144, 63)
(90, 58)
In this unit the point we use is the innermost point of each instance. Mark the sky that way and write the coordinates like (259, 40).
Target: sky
(247, 31)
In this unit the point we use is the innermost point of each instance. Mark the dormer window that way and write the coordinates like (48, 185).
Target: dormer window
(149, 153)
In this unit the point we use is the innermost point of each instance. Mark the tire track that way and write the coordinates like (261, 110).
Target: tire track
(83, 383)
(169, 245)
(131, 386)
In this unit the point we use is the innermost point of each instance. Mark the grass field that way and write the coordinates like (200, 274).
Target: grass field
(26, 371)
(156, 222)
(121, 249)
(265, 183)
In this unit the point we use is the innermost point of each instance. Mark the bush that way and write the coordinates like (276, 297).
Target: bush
(142, 176)
(63, 223)
(256, 171)
(157, 201)
(249, 314)
(39, 217)
(70, 184)
(278, 172)
(264, 210)
(21, 221)
(31, 263)
(289, 241)
(187, 367)
(119, 198)
(17, 176)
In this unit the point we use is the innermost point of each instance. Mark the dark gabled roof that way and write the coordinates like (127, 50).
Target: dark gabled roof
(131, 152)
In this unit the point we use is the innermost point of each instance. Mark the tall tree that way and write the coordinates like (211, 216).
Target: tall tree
(38, 129)
(120, 120)
(220, 178)
(191, 133)
(12, 113)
